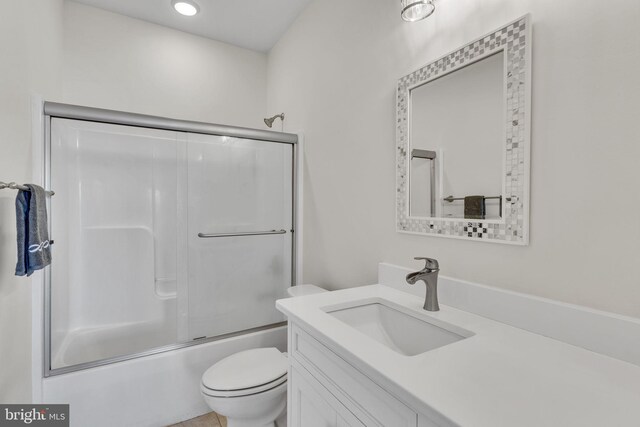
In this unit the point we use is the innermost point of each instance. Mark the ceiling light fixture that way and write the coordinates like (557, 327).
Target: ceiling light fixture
(185, 7)
(415, 10)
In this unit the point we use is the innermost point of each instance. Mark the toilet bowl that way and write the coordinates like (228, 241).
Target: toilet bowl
(250, 387)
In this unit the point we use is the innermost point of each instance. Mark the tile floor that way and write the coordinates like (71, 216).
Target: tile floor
(207, 420)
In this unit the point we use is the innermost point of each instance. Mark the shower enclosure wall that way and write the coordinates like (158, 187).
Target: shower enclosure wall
(164, 238)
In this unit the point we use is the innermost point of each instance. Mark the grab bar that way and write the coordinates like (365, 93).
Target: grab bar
(249, 233)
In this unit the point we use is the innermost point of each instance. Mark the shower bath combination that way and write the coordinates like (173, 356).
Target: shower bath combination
(174, 208)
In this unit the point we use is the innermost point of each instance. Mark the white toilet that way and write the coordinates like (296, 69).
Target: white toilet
(250, 387)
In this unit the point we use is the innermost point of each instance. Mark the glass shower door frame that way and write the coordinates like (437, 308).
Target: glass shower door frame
(63, 111)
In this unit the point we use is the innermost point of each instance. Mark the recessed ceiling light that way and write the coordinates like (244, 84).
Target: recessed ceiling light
(185, 7)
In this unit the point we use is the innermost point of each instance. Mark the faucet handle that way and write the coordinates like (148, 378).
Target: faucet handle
(429, 263)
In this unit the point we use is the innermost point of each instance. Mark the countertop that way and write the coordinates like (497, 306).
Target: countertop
(500, 376)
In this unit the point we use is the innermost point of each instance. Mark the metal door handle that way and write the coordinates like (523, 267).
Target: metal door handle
(248, 233)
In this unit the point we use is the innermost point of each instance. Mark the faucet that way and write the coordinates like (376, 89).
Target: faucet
(429, 275)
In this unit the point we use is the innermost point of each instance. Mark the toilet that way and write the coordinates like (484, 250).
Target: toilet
(250, 387)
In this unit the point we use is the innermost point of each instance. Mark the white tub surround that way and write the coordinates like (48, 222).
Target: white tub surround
(498, 376)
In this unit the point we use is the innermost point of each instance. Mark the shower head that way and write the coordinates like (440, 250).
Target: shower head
(270, 120)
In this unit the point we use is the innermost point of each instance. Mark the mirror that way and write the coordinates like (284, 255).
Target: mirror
(456, 142)
(463, 141)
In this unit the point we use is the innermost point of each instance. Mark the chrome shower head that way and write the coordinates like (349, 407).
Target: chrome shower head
(270, 120)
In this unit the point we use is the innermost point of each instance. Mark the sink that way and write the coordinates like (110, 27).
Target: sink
(400, 330)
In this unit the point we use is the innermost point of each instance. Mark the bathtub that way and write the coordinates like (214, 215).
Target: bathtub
(107, 342)
(156, 390)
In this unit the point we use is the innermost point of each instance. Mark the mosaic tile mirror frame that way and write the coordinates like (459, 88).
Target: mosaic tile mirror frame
(514, 40)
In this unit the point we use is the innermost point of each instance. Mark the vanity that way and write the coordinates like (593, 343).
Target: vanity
(371, 356)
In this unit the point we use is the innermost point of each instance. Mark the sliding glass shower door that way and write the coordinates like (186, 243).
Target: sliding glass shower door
(162, 238)
(240, 221)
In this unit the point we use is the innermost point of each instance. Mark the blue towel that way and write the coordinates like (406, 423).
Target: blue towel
(34, 251)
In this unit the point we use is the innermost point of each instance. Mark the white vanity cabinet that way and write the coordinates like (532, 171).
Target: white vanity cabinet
(352, 367)
(311, 405)
(325, 390)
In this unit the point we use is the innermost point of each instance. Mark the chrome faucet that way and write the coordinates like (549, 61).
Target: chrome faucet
(429, 275)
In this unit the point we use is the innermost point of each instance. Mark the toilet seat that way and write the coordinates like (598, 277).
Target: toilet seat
(246, 373)
(261, 409)
(246, 391)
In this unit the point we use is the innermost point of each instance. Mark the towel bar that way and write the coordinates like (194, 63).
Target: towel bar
(451, 199)
(14, 186)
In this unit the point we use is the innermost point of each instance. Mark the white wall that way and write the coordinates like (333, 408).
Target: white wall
(334, 73)
(30, 31)
(120, 63)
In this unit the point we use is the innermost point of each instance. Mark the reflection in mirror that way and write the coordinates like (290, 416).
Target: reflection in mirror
(457, 143)
(423, 183)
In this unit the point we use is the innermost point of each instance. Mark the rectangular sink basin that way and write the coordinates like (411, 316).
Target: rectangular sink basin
(401, 331)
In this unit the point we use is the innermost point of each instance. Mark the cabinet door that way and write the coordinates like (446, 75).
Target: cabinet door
(370, 403)
(311, 405)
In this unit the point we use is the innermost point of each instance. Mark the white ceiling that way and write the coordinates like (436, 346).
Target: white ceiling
(253, 24)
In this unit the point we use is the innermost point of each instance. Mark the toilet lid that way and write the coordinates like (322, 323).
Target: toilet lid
(246, 369)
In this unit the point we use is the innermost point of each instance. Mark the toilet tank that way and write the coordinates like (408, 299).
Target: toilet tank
(302, 290)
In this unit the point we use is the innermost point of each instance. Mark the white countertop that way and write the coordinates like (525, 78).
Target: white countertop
(501, 376)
